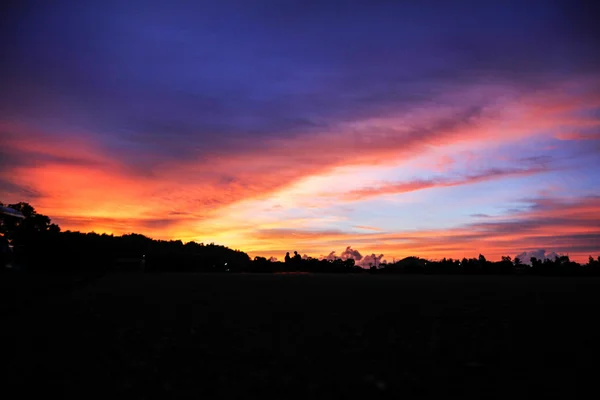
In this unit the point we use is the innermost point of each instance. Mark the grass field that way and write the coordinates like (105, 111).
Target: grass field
(302, 336)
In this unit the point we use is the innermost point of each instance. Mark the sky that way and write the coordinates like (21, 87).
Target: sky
(414, 128)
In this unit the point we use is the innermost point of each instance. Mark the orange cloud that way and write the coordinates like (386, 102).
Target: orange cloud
(83, 185)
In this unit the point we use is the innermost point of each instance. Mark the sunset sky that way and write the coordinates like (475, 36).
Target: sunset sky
(430, 128)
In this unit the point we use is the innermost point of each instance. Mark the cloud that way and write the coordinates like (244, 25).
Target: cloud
(368, 228)
(444, 163)
(595, 135)
(246, 169)
(421, 184)
(17, 191)
(14, 157)
(181, 107)
(540, 254)
(371, 260)
(350, 253)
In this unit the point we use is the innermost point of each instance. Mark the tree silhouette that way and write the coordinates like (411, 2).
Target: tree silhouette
(518, 262)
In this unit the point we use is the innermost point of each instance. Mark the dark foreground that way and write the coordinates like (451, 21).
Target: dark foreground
(316, 336)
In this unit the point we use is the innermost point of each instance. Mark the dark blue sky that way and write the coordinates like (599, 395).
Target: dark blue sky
(205, 70)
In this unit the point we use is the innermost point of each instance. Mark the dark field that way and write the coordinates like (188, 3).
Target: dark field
(315, 336)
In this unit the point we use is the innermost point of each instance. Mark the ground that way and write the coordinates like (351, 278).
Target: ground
(307, 336)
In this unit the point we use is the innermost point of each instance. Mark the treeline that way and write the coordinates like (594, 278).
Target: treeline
(309, 264)
(560, 266)
(39, 245)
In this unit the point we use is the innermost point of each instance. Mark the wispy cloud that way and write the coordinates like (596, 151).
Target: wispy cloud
(368, 228)
(422, 184)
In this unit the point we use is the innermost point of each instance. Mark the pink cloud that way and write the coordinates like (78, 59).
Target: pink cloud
(421, 184)
(88, 187)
